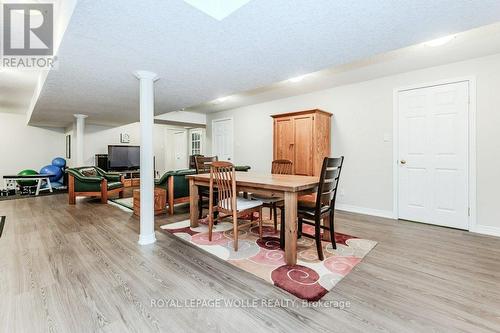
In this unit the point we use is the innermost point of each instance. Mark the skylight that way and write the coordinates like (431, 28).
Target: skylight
(218, 9)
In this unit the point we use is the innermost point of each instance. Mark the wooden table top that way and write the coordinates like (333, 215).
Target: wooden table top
(287, 183)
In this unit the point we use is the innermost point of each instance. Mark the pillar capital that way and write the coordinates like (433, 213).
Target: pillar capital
(80, 116)
(146, 75)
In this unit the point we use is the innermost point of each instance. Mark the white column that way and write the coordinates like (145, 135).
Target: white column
(80, 133)
(147, 231)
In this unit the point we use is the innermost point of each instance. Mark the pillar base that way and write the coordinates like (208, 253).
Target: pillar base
(147, 239)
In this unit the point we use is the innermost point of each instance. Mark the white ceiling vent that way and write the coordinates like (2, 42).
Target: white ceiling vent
(218, 9)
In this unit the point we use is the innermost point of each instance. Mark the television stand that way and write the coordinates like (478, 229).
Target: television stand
(132, 178)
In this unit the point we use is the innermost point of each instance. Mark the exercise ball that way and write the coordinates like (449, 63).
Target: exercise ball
(27, 172)
(54, 170)
(59, 162)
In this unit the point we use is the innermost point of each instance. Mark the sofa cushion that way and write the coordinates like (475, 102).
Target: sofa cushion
(114, 185)
(89, 172)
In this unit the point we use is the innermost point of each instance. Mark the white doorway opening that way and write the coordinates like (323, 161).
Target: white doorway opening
(434, 149)
(222, 139)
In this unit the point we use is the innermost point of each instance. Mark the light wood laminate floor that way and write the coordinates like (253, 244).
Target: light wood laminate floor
(79, 269)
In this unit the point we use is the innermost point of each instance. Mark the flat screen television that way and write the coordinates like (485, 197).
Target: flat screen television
(124, 157)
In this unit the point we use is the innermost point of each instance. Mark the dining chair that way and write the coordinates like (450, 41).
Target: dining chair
(203, 166)
(223, 179)
(313, 212)
(278, 167)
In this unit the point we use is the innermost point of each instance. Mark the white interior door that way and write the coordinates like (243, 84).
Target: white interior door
(180, 150)
(433, 154)
(222, 139)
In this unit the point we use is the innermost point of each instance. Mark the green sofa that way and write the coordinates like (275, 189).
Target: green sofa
(177, 186)
(93, 182)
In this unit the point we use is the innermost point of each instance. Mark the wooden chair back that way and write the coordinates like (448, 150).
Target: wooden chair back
(222, 174)
(282, 167)
(328, 182)
(203, 163)
(192, 160)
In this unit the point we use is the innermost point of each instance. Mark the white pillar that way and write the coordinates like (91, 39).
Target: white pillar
(80, 133)
(147, 230)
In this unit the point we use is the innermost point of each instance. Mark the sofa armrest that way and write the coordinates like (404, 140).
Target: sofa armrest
(162, 182)
(243, 168)
(113, 176)
(82, 178)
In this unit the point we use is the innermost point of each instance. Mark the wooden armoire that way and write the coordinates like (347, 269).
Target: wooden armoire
(302, 137)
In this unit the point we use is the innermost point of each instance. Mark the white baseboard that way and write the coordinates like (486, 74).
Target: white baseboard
(478, 229)
(367, 211)
(486, 230)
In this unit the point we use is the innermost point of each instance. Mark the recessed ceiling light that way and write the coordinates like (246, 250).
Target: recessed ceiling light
(440, 41)
(218, 9)
(296, 79)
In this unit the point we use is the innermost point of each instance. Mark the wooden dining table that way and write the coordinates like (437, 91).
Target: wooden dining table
(288, 187)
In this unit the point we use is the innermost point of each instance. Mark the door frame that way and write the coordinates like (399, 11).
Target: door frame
(471, 165)
(213, 137)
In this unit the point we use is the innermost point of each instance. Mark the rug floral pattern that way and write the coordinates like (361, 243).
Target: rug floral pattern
(310, 279)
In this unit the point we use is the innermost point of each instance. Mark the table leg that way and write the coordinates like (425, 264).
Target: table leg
(291, 228)
(38, 186)
(49, 185)
(193, 203)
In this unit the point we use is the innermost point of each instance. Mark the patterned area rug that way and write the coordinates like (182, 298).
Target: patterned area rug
(310, 279)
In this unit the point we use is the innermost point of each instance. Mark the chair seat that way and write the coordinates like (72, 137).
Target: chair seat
(308, 200)
(242, 204)
(114, 185)
(205, 191)
(309, 211)
(266, 199)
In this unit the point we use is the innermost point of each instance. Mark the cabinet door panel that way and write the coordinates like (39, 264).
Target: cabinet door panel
(283, 136)
(303, 127)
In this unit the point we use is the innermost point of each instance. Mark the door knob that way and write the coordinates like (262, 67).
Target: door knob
(402, 162)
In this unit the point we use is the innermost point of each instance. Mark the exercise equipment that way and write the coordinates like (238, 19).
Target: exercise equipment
(59, 162)
(52, 170)
(27, 172)
(53, 173)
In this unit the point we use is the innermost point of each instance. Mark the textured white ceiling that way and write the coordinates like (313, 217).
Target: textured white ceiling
(16, 90)
(199, 58)
(218, 9)
(475, 43)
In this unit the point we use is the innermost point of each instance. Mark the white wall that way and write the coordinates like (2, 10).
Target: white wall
(363, 114)
(26, 147)
(97, 139)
